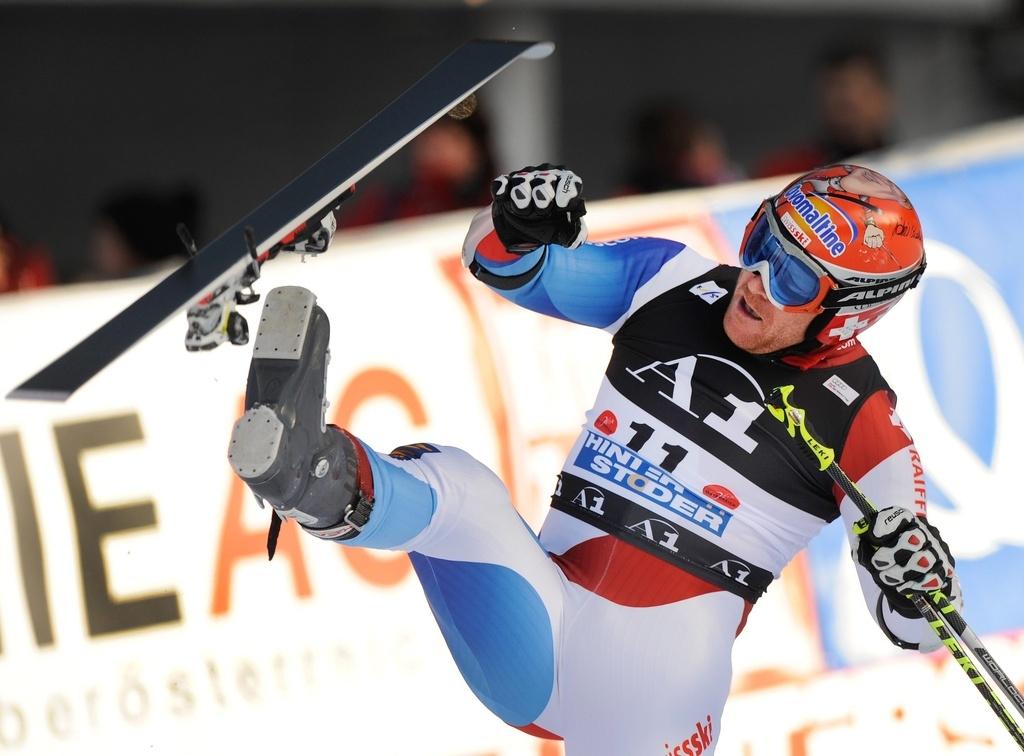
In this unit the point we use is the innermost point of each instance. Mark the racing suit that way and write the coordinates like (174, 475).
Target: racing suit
(679, 503)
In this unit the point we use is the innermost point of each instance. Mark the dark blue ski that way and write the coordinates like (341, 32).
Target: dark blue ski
(308, 196)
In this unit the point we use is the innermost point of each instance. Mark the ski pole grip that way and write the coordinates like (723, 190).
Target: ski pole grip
(795, 420)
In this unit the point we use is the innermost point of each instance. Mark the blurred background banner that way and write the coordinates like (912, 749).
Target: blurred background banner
(122, 117)
(138, 612)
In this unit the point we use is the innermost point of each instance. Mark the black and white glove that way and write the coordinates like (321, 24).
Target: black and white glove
(538, 205)
(905, 555)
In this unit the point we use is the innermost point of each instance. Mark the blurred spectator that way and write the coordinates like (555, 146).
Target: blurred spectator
(22, 267)
(135, 231)
(451, 168)
(675, 150)
(855, 104)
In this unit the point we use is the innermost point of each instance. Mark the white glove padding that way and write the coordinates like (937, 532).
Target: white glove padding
(539, 205)
(540, 188)
(905, 555)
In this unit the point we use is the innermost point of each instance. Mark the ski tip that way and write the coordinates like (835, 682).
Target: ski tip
(539, 50)
(531, 50)
(25, 391)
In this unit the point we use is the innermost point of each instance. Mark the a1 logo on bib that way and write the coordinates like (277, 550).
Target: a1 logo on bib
(709, 291)
(675, 381)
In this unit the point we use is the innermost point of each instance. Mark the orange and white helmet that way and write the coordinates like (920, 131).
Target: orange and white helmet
(843, 240)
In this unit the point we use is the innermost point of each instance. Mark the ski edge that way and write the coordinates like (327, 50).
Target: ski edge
(536, 51)
(34, 389)
(37, 395)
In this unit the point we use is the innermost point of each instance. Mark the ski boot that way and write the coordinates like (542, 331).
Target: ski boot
(282, 447)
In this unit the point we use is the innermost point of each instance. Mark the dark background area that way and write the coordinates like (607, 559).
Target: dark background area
(237, 100)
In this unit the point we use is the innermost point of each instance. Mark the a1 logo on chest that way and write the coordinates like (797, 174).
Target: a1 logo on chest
(673, 381)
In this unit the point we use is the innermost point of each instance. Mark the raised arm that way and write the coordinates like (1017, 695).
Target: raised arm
(902, 551)
(530, 247)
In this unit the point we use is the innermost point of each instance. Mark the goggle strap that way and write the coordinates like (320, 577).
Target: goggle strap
(872, 293)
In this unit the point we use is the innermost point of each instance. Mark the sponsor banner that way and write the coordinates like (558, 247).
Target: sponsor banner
(138, 611)
(139, 614)
(916, 704)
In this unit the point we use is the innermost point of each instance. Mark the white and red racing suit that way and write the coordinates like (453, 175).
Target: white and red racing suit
(679, 503)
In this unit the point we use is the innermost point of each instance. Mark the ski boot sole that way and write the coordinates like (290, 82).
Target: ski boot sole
(258, 436)
(255, 442)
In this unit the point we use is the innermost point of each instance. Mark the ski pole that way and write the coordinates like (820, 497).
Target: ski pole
(949, 625)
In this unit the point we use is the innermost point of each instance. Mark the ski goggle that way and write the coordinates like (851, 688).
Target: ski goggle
(795, 282)
(792, 280)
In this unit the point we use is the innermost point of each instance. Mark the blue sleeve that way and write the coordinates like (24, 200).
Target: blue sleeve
(593, 284)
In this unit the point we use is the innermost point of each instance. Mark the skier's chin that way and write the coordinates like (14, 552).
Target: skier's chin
(757, 327)
(746, 329)
(750, 339)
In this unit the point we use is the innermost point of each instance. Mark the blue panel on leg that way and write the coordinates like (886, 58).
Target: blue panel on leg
(404, 506)
(498, 631)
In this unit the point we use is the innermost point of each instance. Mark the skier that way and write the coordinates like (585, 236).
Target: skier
(680, 500)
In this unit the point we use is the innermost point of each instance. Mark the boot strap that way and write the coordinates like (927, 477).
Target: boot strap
(357, 512)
